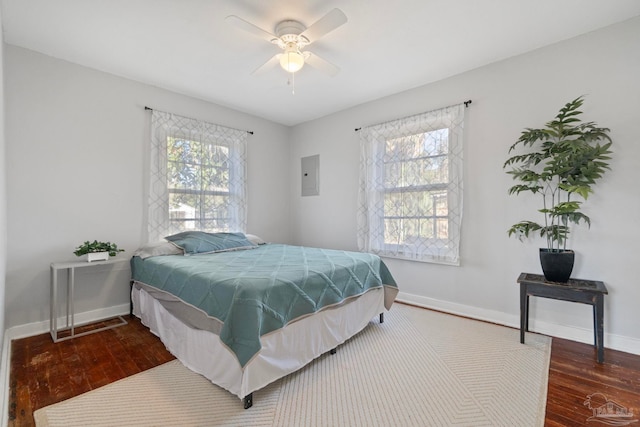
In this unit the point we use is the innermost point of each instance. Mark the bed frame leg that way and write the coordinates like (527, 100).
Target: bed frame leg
(248, 401)
(381, 317)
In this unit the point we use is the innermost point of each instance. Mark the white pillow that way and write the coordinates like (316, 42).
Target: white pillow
(255, 239)
(158, 249)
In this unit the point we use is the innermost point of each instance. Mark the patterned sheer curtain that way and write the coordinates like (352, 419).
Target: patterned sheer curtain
(197, 176)
(410, 198)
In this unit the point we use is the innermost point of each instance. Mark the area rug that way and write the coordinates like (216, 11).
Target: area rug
(418, 368)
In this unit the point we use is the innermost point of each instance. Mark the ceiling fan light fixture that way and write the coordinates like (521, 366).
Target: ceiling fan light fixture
(293, 37)
(292, 60)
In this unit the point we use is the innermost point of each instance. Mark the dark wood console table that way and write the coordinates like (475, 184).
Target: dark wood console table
(575, 290)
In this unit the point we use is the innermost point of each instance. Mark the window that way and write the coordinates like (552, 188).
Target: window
(411, 187)
(197, 176)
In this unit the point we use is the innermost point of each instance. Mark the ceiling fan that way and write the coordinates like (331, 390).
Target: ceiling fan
(292, 37)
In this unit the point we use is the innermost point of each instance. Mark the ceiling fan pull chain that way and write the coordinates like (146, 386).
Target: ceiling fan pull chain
(291, 81)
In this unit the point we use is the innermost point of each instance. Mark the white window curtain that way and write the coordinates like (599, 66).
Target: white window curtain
(197, 176)
(410, 198)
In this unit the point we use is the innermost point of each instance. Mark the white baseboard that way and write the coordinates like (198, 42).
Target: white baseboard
(31, 329)
(612, 341)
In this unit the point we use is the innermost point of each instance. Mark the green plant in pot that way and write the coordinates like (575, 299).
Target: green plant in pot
(95, 247)
(561, 163)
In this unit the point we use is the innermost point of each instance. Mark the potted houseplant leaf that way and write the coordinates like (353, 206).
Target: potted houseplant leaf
(97, 251)
(561, 163)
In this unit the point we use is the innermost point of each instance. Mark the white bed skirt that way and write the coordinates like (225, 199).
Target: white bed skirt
(283, 351)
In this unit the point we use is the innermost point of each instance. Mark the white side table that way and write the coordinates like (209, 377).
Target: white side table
(70, 325)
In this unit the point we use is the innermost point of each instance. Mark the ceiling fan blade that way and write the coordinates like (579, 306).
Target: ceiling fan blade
(250, 28)
(275, 59)
(321, 64)
(325, 25)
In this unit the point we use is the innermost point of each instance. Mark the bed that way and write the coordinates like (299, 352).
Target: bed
(244, 314)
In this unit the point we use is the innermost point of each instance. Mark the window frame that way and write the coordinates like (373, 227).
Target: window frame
(166, 127)
(372, 228)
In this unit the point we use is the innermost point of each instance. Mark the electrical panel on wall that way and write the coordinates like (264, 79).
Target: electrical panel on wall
(310, 167)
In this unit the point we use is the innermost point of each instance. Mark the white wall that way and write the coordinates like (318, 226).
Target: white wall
(3, 198)
(75, 150)
(524, 91)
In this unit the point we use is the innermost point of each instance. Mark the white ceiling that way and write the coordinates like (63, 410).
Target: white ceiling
(385, 47)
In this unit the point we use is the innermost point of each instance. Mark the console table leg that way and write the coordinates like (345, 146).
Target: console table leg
(524, 311)
(71, 289)
(53, 328)
(598, 309)
(526, 317)
(131, 298)
(595, 324)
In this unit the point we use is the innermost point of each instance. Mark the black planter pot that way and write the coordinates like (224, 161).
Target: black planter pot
(557, 265)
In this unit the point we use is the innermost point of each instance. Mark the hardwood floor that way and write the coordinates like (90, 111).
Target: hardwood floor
(574, 374)
(43, 373)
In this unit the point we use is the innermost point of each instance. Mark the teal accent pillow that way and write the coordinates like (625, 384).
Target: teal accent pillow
(199, 242)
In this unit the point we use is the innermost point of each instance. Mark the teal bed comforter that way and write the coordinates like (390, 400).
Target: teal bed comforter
(257, 291)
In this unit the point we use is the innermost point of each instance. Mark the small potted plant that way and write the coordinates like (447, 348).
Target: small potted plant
(563, 160)
(97, 251)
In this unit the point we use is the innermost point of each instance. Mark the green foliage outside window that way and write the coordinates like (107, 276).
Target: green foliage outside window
(416, 176)
(198, 183)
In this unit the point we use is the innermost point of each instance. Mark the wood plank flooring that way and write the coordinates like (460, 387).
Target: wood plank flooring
(43, 373)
